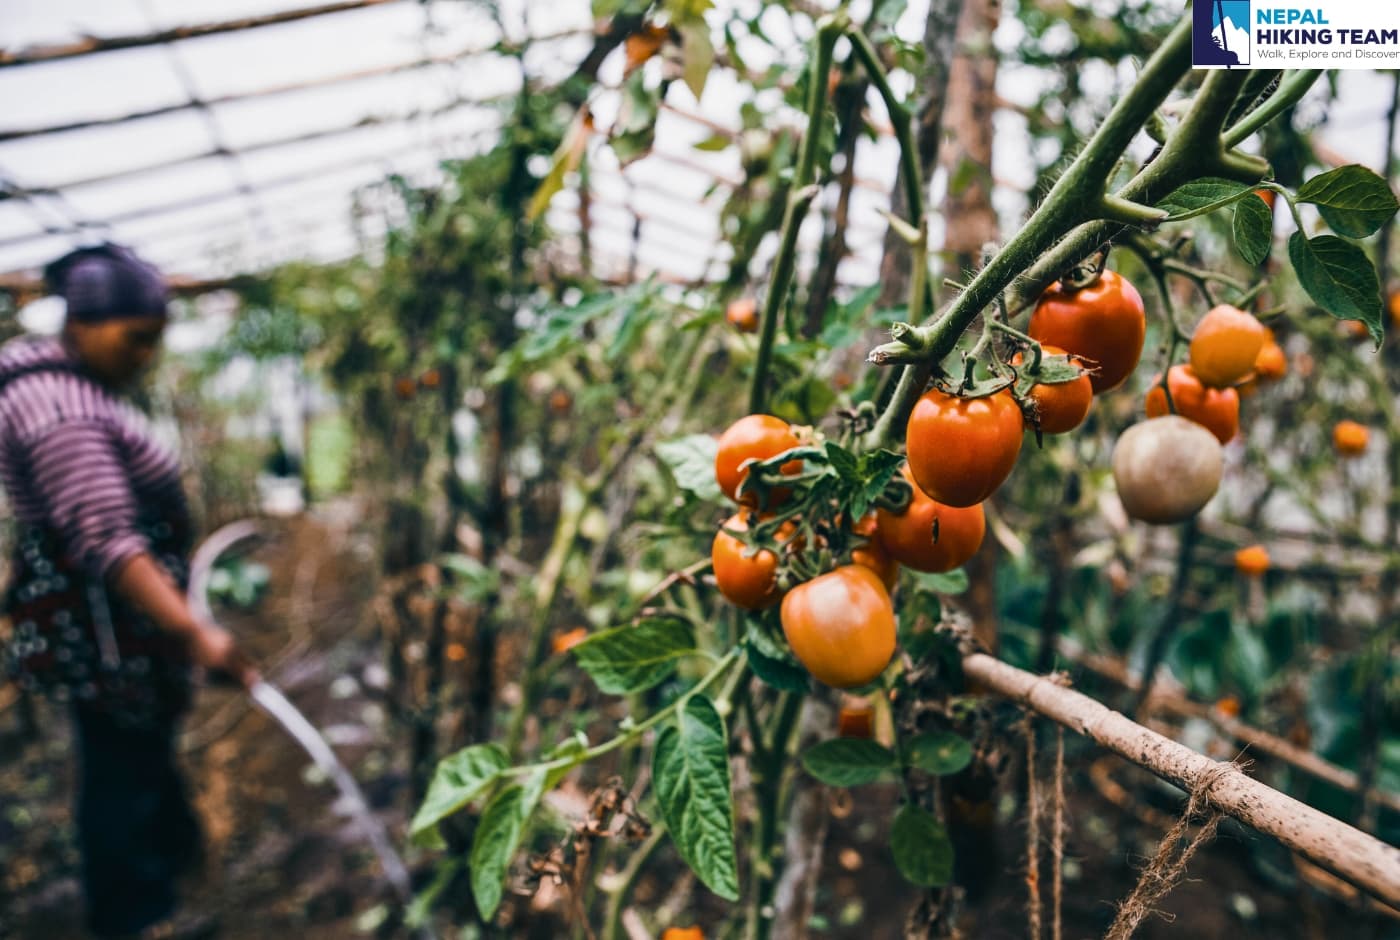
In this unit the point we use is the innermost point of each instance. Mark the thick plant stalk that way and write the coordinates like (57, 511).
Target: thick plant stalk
(1348, 853)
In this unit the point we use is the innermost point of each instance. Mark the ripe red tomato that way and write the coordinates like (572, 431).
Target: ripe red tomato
(840, 626)
(1103, 324)
(873, 553)
(1063, 406)
(909, 536)
(746, 581)
(1215, 409)
(962, 449)
(755, 437)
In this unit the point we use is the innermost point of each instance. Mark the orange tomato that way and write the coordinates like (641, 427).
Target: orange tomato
(742, 314)
(1350, 438)
(1271, 364)
(747, 581)
(755, 437)
(1224, 346)
(962, 449)
(856, 719)
(430, 379)
(1356, 329)
(1393, 303)
(568, 639)
(560, 401)
(1064, 405)
(1268, 195)
(455, 652)
(1253, 560)
(405, 389)
(1229, 706)
(1216, 409)
(683, 933)
(1104, 324)
(909, 537)
(873, 553)
(840, 626)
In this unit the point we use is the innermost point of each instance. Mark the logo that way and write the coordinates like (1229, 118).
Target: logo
(1220, 33)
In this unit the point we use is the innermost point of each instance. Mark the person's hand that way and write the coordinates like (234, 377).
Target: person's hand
(215, 649)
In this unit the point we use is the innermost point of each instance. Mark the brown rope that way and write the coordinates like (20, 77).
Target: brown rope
(1057, 836)
(1169, 864)
(1033, 901)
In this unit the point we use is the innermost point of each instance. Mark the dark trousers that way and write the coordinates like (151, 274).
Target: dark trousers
(136, 830)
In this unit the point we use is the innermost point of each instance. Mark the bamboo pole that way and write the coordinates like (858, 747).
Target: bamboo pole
(1343, 850)
(31, 55)
(1114, 670)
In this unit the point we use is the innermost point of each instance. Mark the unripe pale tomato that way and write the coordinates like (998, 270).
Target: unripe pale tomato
(1271, 363)
(1166, 469)
(1104, 324)
(909, 536)
(1225, 345)
(1064, 405)
(742, 314)
(747, 581)
(873, 553)
(840, 626)
(1350, 438)
(962, 449)
(1252, 560)
(1215, 409)
(755, 437)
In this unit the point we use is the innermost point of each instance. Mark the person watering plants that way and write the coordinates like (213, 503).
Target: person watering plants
(96, 597)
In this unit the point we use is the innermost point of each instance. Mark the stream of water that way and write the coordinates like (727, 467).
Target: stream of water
(277, 706)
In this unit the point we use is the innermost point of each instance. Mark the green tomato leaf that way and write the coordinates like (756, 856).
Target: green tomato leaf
(714, 143)
(497, 837)
(458, 779)
(1339, 276)
(697, 55)
(948, 582)
(780, 673)
(1201, 196)
(691, 461)
(634, 658)
(690, 769)
(939, 752)
(922, 851)
(843, 462)
(1352, 199)
(847, 762)
(805, 400)
(1254, 230)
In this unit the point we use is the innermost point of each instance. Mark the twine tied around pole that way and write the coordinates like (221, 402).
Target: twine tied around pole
(1168, 866)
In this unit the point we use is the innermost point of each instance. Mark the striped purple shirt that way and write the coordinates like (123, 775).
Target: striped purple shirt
(79, 461)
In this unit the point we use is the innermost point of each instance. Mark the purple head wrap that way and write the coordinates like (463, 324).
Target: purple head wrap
(105, 282)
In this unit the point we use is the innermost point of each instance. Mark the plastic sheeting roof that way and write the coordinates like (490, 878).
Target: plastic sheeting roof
(296, 116)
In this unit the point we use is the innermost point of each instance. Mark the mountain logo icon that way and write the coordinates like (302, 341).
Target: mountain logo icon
(1220, 33)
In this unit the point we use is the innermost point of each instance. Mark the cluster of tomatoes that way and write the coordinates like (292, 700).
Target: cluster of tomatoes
(840, 624)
